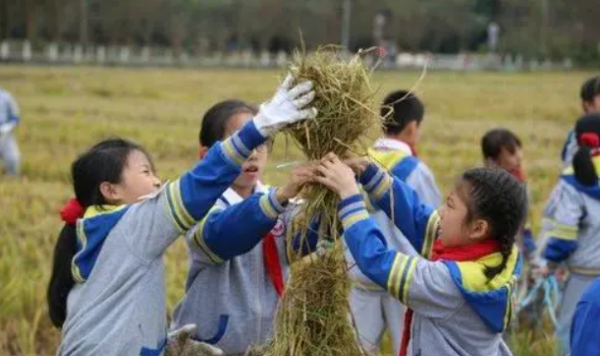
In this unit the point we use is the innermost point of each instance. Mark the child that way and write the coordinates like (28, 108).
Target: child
(590, 103)
(9, 120)
(374, 309)
(573, 211)
(238, 260)
(107, 288)
(585, 331)
(503, 149)
(462, 299)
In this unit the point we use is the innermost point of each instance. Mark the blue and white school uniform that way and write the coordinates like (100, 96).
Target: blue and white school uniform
(572, 237)
(372, 307)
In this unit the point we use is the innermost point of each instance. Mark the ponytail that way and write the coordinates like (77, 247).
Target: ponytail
(583, 166)
(61, 281)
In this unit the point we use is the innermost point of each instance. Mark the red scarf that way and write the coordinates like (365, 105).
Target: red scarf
(272, 264)
(440, 252)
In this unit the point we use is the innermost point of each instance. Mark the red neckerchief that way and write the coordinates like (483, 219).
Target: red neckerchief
(272, 264)
(471, 252)
(519, 174)
(464, 253)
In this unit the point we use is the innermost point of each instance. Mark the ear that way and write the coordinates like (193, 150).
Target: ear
(478, 230)
(202, 152)
(109, 192)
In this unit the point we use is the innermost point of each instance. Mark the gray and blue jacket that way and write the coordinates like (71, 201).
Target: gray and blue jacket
(118, 306)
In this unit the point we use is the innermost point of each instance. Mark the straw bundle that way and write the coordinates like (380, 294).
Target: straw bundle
(314, 315)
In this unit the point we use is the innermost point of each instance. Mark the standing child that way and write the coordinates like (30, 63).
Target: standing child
(107, 290)
(238, 260)
(573, 210)
(462, 299)
(9, 120)
(501, 148)
(372, 307)
(590, 103)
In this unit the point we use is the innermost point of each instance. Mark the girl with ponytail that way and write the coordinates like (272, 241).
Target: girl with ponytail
(572, 222)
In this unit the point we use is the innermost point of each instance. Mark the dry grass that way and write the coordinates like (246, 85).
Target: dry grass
(65, 110)
(313, 315)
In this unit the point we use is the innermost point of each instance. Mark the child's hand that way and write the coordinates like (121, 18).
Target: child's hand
(300, 176)
(337, 176)
(356, 163)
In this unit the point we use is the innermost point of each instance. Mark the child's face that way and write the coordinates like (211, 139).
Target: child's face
(510, 162)
(138, 180)
(254, 167)
(453, 228)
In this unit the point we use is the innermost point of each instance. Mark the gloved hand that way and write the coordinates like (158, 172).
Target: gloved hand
(286, 107)
(181, 343)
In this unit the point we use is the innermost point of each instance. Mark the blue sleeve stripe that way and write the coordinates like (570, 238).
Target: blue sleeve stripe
(382, 187)
(375, 181)
(407, 279)
(350, 200)
(275, 203)
(430, 234)
(353, 211)
(179, 214)
(200, 240)
(352, 208)
(232, 153)
(353, 218)
(239, 146)
(564, 232)
(394, 278)
(369, 173)
(270, 206)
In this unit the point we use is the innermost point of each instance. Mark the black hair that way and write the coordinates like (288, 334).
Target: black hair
(400, 108)
(104, 162)
(214, 122)
(495, 140)
(583, 166)
(494, 195)
(590, 89)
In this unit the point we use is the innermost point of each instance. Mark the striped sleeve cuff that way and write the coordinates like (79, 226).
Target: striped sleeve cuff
(270, 206)
(180, 216)
(201, 242)
(401, 276)
(563, 232)
(352, 210)
(239, 146)
(376, 181)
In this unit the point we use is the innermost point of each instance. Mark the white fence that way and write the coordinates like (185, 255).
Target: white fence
(75, 54)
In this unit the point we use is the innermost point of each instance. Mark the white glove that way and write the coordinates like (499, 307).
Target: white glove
(286, 107)
(181, 343)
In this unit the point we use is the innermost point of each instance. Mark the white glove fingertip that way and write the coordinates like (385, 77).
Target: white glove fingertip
(287, 83)
(299, 90)
(304, 100)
